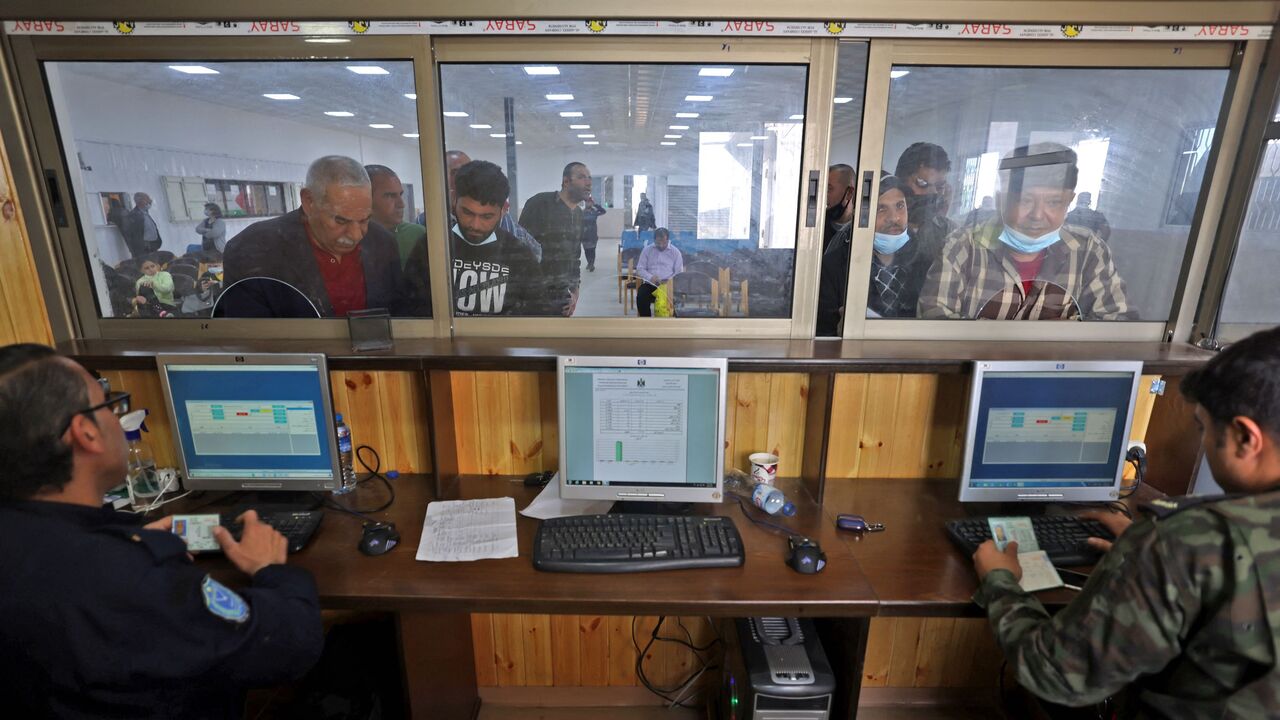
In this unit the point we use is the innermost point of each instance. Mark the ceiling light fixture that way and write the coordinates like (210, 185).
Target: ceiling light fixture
(686, 115)
(759, 137)
(590, 142)
(716, 72)
(410, 135)
(481, 126)
(281, 96)
(367, 70)
(339, 113)
(746, 144)
(895, 74)
(381, 126)
(586, 135)
(677, 127)
(579, 127)
(411, 96)
(697, 98)
(541, 70)
(497, 135)
(668, 143)
(454, 113)
(673, 137)
(194, 69)
(797, 116)
(843, 100)
(570, 113)
(559, 96)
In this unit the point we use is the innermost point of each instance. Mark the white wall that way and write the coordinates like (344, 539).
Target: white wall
(130, 146)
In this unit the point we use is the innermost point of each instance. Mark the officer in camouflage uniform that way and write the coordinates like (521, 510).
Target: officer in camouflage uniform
(1184, 612)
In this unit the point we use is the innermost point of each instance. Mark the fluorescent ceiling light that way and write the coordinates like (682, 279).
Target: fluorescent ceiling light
(560, 96)
(579, 127)
(194, 69)
(759, 137)
(686, 115)
(668, 143)
(411, 96)
(454, 113)
(331, 41)
(339, 113)
(570, 113)
(716, 72)
(519, 142)
(497, 135)
(481, 126)
(381, 126)
(895, 74)
(673, 137)
(586, 135)
(541, 70)
(677, 127)
(797, 116)
(590, 142)
(746, 144)
(410, 135)
(843, 100)
(367, 70)
(281, 96)
(697, 98)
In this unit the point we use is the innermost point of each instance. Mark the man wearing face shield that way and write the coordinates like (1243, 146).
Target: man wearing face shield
(1026, 264)
(839, 202)
(897, 266)
(923, 168)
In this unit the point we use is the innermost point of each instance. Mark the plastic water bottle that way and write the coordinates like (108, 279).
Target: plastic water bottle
(142, 480)
(771, 500)
(347, 455)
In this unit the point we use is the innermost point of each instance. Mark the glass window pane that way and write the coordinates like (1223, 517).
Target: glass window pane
(837, 224)
(707, 158)
(205, 159)
(1253, 295)
(1040, 193)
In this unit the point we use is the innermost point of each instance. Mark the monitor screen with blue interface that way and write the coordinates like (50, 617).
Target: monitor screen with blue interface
(252, 422)
(1048, 431)
(642, 428)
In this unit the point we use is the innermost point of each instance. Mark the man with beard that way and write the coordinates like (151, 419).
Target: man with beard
(923, 168)
(555, 219)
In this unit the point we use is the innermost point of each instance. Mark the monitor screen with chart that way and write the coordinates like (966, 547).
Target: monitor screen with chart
(1048, 431)
(647, 429)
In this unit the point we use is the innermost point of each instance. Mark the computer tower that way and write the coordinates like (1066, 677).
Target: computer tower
(775, 669)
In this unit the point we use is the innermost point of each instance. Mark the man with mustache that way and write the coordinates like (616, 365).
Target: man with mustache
(327, 250)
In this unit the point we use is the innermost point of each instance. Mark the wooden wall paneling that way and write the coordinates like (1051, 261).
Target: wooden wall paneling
(508, 649)
(1143, 406)
(817, 432)
(8, 334)
(974, 658)
(672, 661)
(788, 401)
(944, 441)
(913, 415)
(879, 426)
(593, 650)
(751, 426)
(144, 386)
(483, 648)
(644, 626)
(731, 421)
(538, 661)
(848, 404)
(548, 406)
(23, 316)
(465, 418)
(442, 425)
(366, 417)
(493, 409)
(875, 667)
(524, 399)
(403, 397)
(566, 651)
(903, 663)
(931, 653)
(1173, 447)
(622, 653)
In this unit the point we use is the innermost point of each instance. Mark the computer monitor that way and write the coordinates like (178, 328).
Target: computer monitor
(252, 421)
(642, 428)
(1048, 431)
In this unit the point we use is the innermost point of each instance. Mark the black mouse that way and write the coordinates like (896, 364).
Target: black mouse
(538, 479)
(805, 556)
(378, 538)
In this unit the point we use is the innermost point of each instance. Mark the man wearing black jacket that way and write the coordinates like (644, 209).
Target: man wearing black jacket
(101, 616)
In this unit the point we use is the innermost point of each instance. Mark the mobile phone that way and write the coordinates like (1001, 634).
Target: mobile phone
(197, 531)
(1071, 577)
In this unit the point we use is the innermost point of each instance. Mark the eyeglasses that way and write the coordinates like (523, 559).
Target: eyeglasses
(117, 401)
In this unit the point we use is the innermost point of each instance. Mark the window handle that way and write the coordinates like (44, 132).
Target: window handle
(56, 202)
(811, 213)
(864, 209)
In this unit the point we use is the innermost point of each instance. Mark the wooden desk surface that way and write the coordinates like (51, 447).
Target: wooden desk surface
(764, 585)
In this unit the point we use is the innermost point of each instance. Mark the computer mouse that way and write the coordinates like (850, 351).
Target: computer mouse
(538, 479)
(378, 538)
(805, 556)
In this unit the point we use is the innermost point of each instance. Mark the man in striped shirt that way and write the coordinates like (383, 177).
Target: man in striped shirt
(1026, 264)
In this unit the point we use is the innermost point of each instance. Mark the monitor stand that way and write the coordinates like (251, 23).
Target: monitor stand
(644, 507)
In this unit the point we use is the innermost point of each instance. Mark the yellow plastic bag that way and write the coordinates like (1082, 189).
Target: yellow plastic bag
(662, 306)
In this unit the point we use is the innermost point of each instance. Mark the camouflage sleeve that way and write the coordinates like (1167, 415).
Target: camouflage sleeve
(1129, 620)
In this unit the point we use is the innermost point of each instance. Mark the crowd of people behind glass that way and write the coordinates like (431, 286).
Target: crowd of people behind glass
(1025, 254)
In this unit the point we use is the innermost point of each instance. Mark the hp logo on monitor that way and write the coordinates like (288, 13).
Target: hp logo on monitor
(642, 361)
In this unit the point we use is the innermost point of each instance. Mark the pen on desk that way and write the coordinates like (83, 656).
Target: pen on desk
(1071, 587)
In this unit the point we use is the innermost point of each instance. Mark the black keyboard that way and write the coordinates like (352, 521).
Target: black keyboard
(636, 543)
(297, 526)
(1062, 536)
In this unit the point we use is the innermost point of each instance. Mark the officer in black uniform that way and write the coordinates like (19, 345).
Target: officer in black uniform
(101, 616)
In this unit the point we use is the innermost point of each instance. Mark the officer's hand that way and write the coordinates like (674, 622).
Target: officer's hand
(164, 523)
(988, 558)
(260, 545)
(1113, 521)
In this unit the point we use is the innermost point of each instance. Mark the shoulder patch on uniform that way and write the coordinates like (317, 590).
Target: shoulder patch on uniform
(223, 601)
(1162, 508)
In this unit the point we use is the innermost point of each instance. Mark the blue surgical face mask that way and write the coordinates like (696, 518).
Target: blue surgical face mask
(890, 244)
(1027, 244)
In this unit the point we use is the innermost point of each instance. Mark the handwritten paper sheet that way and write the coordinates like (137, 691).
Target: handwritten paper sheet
(463, 530)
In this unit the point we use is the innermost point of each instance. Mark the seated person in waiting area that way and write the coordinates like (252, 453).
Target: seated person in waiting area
(102, 616)
(1183, 613)
(658, 263)
(154, 292)
(897, 265)
(493, 272)
(327, 251)
(1026, 264)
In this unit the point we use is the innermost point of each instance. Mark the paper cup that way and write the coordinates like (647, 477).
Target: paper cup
(764, 467)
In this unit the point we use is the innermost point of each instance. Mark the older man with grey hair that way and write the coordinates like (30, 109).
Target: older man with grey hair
(324, 258)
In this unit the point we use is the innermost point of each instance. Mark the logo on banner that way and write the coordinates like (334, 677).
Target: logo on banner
(510, 26)
(37, 26)
(835, 28)
(1223, 31)
(985, 29)
(360, 26)
(747, 26)
(596, 26)
(124, 27)
(1072, 30)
